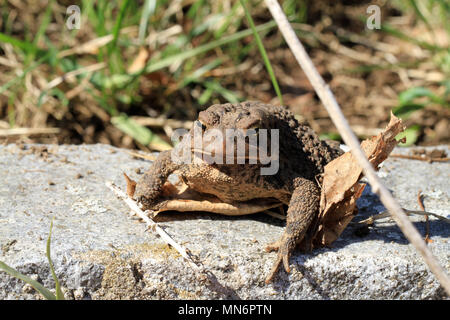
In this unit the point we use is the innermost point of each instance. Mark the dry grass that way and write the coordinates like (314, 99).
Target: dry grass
(180, 57)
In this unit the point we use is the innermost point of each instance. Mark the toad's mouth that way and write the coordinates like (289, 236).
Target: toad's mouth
(224, 155)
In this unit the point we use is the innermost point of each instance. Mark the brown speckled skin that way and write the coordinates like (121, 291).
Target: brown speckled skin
(302, 156)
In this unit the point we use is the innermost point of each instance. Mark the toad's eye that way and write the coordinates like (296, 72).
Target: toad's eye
(199, 124)
(253, 130)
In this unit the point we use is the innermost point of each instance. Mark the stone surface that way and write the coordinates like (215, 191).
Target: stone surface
(101, 252)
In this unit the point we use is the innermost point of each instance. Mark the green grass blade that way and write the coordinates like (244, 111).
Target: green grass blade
(153, 65)
(87, 9)
(263, 52)
(36, 285)
(398, 34)
(409, 95)
(197, 74)
(104, 102)
(445, 14)
(193, 10)
(116, 30)
(147, 11)
(24, 45)
(404, 111)
(11, 111)
(98, 16)
(411, 134)
(30, 68)
(59, 294)
(55, 91)
(422, 17)
(228, 20)
(230, 96)
(115, 62)
(207, 24)
(140, 133)
(42, 28)
(206, 95)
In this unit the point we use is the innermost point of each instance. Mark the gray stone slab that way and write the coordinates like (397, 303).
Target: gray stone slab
(100, 252)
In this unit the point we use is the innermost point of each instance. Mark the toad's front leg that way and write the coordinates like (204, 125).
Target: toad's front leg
(149, 187)
(303, 206)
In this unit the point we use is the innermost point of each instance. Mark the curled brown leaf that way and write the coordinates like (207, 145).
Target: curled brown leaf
(341, 189)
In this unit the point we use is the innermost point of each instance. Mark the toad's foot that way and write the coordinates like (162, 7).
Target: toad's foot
(284, 247)
(303, 206)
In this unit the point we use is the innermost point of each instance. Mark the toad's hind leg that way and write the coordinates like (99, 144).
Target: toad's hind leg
(303, 206)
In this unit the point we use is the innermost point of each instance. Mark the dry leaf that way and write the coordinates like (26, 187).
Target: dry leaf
(139, 62)
(131, 185)
(341, 189)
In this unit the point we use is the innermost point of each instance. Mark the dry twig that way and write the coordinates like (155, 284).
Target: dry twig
(421, 158)
(28, 131)
(198, 268)
(142, 156)
(330, 103)
(427, 233)
(200, 271)
(161, 122)
(72, 74)
(386, 214)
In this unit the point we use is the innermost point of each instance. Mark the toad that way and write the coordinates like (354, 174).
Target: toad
(236, 176)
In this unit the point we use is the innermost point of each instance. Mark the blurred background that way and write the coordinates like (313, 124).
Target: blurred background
(136, 70)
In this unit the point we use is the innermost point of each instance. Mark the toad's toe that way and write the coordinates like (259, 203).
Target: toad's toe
(274, 246)
(282, 258)
(275, 268)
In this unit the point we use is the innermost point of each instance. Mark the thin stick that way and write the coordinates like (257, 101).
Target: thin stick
(142, 156)
(198, 268)
(327, 98)
(427, 223)
(72, 74)
(202, 274)
(93, 45)
(28, 131)
(161, 122)
(386, 214)
(415, 157)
